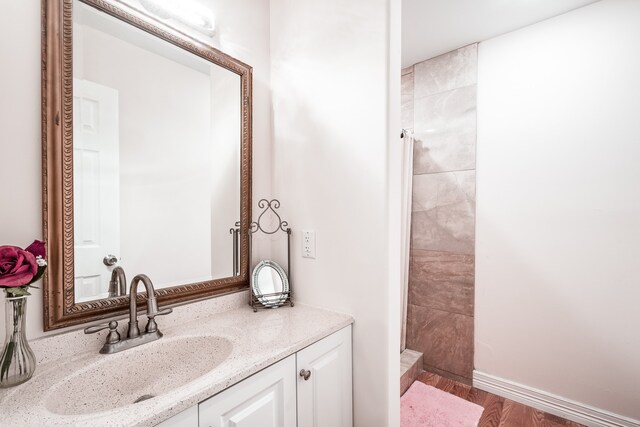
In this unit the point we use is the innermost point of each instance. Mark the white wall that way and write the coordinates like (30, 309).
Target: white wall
(243, 32)
(558, 207)
(331, 87)
(20, 162)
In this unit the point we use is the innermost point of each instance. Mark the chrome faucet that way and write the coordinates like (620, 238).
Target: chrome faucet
(134, 338)
(118, 283)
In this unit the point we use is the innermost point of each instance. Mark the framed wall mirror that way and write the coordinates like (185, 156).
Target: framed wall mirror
(146, 158)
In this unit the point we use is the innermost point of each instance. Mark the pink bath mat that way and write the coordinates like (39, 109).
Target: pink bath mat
(423, 405)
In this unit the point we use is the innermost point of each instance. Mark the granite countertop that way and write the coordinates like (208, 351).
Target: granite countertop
(257, 341)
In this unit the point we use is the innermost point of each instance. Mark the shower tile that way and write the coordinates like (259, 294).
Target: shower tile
(444, 189)
(442, 280)
(443, 230)
(443, 217)
(452, 70)
(407, 100)
(445, 339)
(445, 131)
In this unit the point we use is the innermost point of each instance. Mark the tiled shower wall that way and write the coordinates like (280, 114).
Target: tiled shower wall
(439, 104)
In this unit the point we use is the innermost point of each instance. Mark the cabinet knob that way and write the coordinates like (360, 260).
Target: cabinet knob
(306, 374)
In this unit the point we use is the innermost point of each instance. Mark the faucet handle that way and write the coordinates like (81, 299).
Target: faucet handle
(164, 312)
(152, 308)
(152, 326)
(96, 328)
(113, 336)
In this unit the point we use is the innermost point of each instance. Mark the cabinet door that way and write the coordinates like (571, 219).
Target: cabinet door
(324, 398)
(266, 399)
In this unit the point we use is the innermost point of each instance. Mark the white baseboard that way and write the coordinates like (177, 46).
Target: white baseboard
(547, 402)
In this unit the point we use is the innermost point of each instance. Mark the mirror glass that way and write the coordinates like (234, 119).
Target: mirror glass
(156, 158)
(269, 278)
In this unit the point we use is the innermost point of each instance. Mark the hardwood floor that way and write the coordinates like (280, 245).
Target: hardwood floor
(498, 411)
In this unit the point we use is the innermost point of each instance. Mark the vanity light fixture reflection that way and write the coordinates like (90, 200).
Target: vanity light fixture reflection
(188, 12)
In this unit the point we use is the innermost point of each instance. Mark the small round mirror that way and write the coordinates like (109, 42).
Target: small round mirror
(270, 284)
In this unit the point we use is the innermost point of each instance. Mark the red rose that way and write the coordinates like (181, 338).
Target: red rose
(37, 249)
(17, 267)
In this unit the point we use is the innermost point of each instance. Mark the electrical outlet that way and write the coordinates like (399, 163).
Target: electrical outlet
(308, 244)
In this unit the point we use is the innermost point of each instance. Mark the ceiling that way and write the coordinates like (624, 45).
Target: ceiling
(433, 27)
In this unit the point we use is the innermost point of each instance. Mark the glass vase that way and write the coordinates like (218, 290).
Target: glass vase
(18, 362)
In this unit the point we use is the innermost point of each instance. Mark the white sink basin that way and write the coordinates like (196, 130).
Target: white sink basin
(137, 374)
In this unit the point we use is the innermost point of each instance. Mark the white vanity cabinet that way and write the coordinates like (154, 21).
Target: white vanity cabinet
(311, 388)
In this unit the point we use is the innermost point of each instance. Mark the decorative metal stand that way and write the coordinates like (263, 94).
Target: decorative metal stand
(280, 227)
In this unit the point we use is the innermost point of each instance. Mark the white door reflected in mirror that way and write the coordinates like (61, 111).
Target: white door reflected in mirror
(269, 284)
(96, 166)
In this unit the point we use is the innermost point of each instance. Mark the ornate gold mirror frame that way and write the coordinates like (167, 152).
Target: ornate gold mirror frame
(60, 309)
